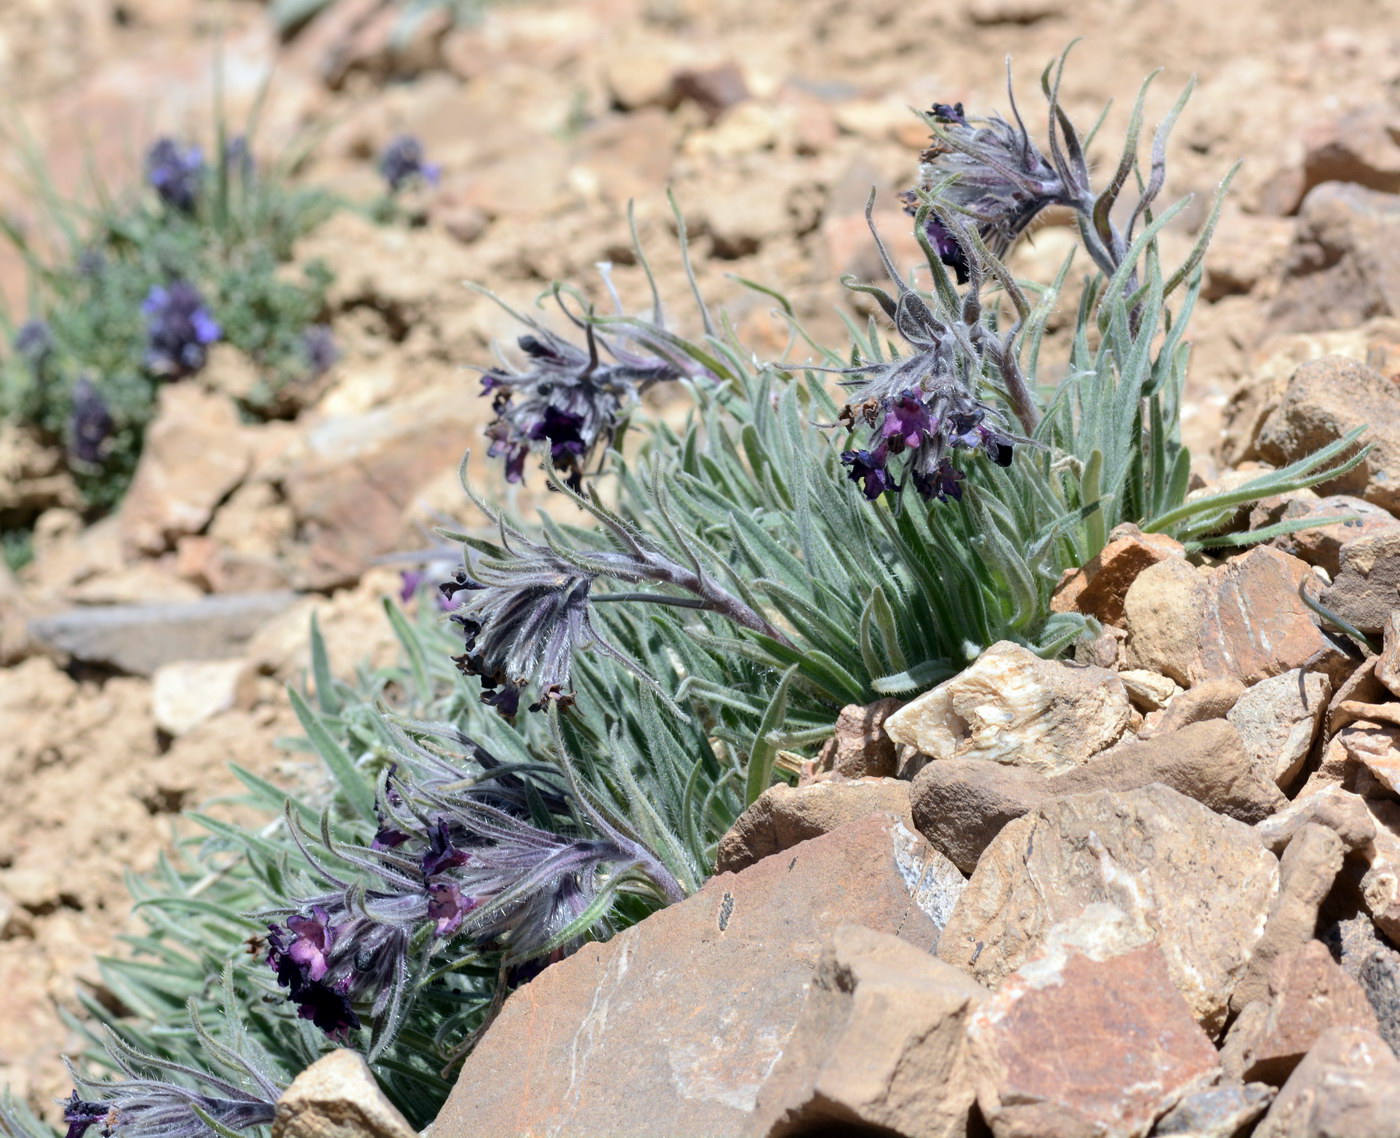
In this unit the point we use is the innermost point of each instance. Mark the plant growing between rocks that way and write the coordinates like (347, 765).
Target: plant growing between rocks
(566, 749)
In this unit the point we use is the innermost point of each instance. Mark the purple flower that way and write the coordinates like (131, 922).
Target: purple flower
(441, 853)
(175, 173)
(178, 328)
(402, 161)
(301, 966)
(89, 423)
(80, 1115)
(970, 433)
(34, 341)
(447, 906)
(942, 482)
(314, 938)
(318, 343)
(907, 422)
(868, 468)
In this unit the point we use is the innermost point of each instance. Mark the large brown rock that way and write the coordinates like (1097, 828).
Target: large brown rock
(1161, 857)
(1347, 1087)
(1321, 545)
(960, 805)
(1098, 588)
(1379, 868)
(1326, 399)
(784, 815)
(675, 1023)
(1013, 707)
(1308, 993)
(859, 746)
(1367, 588)
(1161, 612)
(881, 1042)
(1059, 1050)
(1343, 266)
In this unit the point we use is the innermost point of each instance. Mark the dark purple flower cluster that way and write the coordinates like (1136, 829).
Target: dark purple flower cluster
(988, 171)
(298, 954)
(175, 172)
(179, 330)
(403, 161)
(89, 423)
(318, 342)
(35, 344)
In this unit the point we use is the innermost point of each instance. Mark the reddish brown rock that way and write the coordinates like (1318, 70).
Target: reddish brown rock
(784, 815)
(1099, 587)
(1322, 545)
(881, 1042)
(1367, 589)
(1134, 849)
(1347, 1087)
(1077, 1043)
(1308, 993)
(859, 746)
(689, 1011)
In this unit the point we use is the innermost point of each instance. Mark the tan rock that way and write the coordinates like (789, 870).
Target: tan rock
(1367, 589)
(1210, 699)
(1341, 811)
(881, 1042)
(859, 747)
(1149, 691)
(1377, 752)
(1387, 668)
(784, 815)
(1321, 545)
(1013, 707)
(1057, 1048)
(1349, 1084)
(196, 452)
(1278, 719)
(186, 693)
(960, 805)
(1379, 883)
(1161, 611)
(1098, 589)
(338, 1097)
(1134, 848)
(1307, 871)
(1373, 964)
(1308, 993)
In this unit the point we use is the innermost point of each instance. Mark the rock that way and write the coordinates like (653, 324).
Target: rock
(784, 815)
(881, 1043)
(1360, 147)
(1376, 752)
(1210, 699)
(1307, 871)
(1058, 1049)
(1324, 400)
(195, 453)
(1379, 883)
(186, 693)
(1339, 810)
(1349, 1085)
(1161, 612)
(1013, 707)
(1308, 993)
(140, 638)
(1387, 668)
(639, 79)
(1248, 250)
(636, 1019)
(1149, 691)
(713, 89)
(1322, 545)
(1341, 268)
(1278, 719)
(1374, 965)
(1367, 589)
(1134, 848)
(994, 12)
(860, 748)
(1216, 1112)
(1099, 587)
(960, 805)
(338, 1097)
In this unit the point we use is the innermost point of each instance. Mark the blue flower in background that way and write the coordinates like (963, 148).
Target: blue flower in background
(179, 330)
(175, 172)
(403, 160)
(89, 423)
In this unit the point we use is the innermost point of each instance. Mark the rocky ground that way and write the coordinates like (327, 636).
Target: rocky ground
(772, 121)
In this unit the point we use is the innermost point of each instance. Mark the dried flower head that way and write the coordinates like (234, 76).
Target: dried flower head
(403, 162)
(89, 424)
(179, 330)
(175, 173)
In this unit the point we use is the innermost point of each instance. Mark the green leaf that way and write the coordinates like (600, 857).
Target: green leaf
(763, 751)
(358, 790)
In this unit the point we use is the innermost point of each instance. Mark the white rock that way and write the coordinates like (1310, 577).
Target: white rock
(337, 1097)
(188, 692)
(1278, 719)
(1015, 708)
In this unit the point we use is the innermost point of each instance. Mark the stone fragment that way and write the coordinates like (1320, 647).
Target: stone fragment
(1341, 268)
(1367, 589)
(1225, 1111)
(1099, 587)
(960, 805)
(1322, 545)
(713, 89)
(859, 747)
(1348, 1086)
(140, 638)
(338, 1097)
(1379, 884)
(1013, 707)
(1308, 993)
(1341, 811)
(1362, 686)
(195, 453)
(1359, 147)
(996, 12)
(1210, 699)
(881, 1043)
(1278, 719)
(784, 815)
(1149, 691)
(637, 1019)
(1387, 668)
(1307, 871)
(1376, 752)
(1135, 849)
(1324, 400)
(1058, 1049)
(1161, 612)
(187, 692)
(1375, 966)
